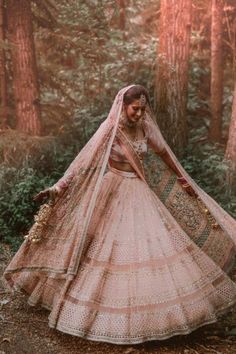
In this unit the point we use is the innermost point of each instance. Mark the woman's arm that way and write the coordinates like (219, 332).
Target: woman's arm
(157, 143)
(169, 162)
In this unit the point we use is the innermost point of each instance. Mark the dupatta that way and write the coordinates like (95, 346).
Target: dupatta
(58, 255)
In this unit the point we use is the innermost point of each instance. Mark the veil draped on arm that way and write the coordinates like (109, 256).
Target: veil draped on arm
(225, 220)
(202, 218)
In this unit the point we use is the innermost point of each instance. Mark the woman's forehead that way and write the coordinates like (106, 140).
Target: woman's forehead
(137, 103)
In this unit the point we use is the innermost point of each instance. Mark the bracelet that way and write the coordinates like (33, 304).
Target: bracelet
(162, 152)
(181, 178)
(53, 192)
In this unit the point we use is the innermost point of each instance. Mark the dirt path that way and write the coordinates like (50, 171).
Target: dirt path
(24, 330)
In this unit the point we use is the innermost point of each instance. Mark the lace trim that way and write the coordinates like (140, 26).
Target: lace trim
(144, 338)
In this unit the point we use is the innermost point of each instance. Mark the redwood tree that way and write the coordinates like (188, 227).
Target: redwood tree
(25, 83)
(121, 4)
(216, 70)
(3, 76)
(230, 153)
(172, 71)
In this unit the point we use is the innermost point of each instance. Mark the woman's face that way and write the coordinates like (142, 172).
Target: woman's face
(135, 111)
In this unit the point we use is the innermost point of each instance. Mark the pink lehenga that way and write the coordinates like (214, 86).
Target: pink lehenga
(124, 261)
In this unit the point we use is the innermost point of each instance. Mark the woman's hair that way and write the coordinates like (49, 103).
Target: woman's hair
(134, 93)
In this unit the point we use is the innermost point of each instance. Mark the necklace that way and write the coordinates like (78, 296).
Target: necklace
(132, 133)
(130, 124)
(132, 130)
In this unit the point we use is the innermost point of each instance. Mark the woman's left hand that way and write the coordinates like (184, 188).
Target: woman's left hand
(185, 185)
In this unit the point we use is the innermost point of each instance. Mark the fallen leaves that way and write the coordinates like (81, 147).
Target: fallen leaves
(4, 302)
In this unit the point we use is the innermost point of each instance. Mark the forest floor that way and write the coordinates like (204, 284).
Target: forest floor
(24, 330)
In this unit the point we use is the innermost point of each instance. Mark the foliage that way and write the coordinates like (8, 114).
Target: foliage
(84, 59)
(19, 184)
(16, 201)
(205, 163)
(203, 160)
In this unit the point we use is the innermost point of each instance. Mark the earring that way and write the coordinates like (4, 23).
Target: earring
(143, 117)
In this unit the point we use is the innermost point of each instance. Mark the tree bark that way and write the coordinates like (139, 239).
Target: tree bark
(3, 75)
(25, 83)
(172, 71)
(230, 153)
(216, 71)
(122, 21)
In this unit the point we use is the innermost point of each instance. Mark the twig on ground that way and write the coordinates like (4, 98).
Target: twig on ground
(203, 346)
(194, 350)
(6, 321)
(211, 350)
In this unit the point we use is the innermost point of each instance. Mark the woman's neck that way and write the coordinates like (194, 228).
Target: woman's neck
(130, 125)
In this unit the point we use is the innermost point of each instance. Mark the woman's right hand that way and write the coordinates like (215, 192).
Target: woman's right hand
(41, 195)
(51, 193)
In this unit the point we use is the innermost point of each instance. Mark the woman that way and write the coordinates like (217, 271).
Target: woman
(121, 262)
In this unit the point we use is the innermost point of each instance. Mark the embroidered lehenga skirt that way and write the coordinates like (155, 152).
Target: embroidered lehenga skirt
(141, 276)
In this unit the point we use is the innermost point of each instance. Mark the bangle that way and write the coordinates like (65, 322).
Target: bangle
(181, 178)
(53, 192)
(162, 152)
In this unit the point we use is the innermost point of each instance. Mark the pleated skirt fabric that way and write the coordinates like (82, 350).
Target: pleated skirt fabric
(141, 276)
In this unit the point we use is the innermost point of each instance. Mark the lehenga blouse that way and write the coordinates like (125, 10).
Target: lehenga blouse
(140, 145)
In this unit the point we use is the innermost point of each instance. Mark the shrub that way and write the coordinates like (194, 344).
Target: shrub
(18, 184)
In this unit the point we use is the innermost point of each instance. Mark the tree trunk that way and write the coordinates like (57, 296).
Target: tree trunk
(216, 71)
(3, 75)
(25, 83)
(172, 71)
(230, 153)
(121, 4)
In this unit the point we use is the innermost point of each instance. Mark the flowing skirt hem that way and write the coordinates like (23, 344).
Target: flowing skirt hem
(143, 339)
(123, 341)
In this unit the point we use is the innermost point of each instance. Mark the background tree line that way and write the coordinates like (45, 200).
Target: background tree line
(61, 64)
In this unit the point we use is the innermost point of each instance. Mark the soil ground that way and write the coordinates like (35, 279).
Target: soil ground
(24, 330)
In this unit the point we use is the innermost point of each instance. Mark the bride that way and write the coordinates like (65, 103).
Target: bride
(121, 261)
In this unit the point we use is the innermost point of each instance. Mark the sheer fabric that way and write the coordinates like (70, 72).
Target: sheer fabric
(123, 262)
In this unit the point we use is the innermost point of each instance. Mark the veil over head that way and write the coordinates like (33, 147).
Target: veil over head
(58, 255)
